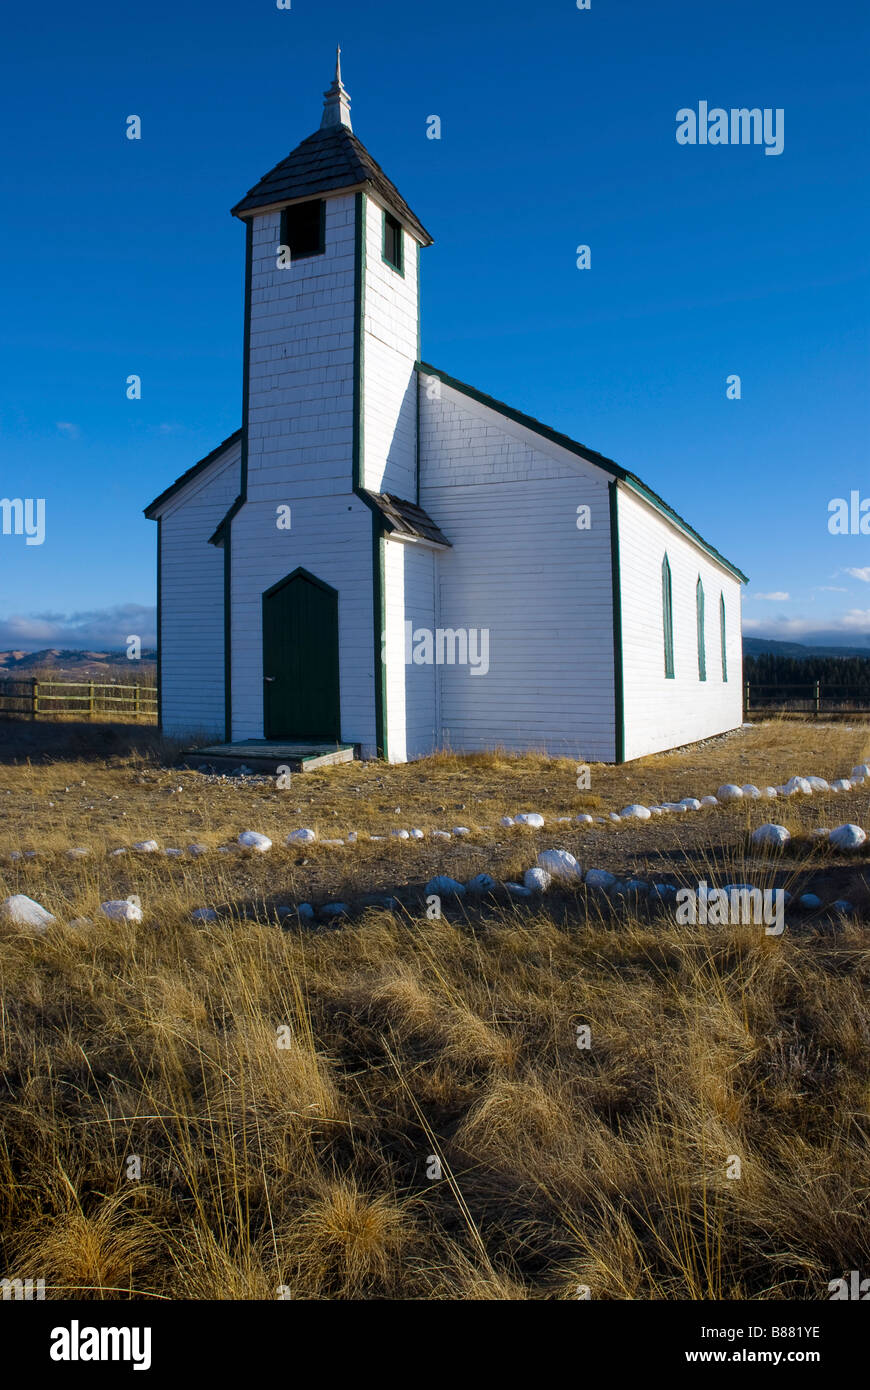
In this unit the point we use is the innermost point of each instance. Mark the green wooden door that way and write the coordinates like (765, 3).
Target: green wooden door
(300, 660)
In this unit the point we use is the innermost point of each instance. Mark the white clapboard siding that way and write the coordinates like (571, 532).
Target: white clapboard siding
(192, 600)
(390, 352)
(300, 407)
(409, 596)
(507, 501)
(664, 713)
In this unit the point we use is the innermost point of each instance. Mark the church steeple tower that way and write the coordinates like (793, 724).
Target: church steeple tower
(336, 106)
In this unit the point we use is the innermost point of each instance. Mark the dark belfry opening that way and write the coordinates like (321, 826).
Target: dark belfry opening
(303, 227)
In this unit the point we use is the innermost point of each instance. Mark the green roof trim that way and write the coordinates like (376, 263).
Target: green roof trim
(591, 456)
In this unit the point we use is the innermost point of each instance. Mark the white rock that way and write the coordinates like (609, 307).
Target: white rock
(770, 835)
(203, 914)
(353, 836)
(809, 901)
(860, 770)
(843, 905)
(656, 811)
(146, 846)
(79, 852)
(691, 803)
(563, 820)
(842, 784)
(770, 793)
(818, 784)
(558, 863)
(706, 801)
(252, 839)
(847, 837)
(441, 835)
(481, 883)
(22, 911)
(197, 849)
(798, 786)
(631, 888)
(416, 834)
(530, 818)
(300, 837)
(518, 890)
(120, 910)
(614, 817)
(331, 842)
(730, 792)
(584, 819)
(173, 853)
(537, 880)
(444, 886)
(599, 878)
(461, 830)
(506, 821)
(114, 854)
(306, 911)
(751, 791)
(635, 812)
(334, 910)
(662, 892)
(401, 834)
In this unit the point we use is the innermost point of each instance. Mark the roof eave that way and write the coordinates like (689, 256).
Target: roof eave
(590, 456)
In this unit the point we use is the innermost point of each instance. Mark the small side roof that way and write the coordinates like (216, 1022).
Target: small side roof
(406, 518)
(591, 455)
(200, 467)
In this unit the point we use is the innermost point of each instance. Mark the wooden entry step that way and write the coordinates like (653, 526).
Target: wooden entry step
(267, 755)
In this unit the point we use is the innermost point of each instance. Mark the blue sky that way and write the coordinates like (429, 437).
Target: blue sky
(558, 128)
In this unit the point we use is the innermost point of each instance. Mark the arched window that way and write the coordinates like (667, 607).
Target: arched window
(722, 636)
(702, 654)
(668, 618)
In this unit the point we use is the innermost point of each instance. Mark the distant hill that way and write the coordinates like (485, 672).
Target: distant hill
(758, 646)
(66, 661)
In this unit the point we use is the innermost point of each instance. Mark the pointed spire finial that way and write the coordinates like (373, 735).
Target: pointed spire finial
(336, 105)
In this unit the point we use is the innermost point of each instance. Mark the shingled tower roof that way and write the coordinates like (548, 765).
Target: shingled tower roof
(329, 161)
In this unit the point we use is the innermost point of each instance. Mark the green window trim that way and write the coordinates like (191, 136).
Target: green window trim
(668, 618)
(393, 243)
(722, 637)
(702, 650)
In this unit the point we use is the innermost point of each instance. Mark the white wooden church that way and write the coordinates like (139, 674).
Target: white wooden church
(386, 558)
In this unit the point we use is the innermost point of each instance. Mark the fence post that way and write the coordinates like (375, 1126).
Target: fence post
(746, 705)
(818, 699)
(34, 711)
(136, 702)
(91, 700)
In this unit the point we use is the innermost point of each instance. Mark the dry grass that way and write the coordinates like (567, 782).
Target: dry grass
(311, 1166)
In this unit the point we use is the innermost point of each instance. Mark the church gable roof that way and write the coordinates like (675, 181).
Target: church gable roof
(590, 455)
(193, 472)
(329, 160)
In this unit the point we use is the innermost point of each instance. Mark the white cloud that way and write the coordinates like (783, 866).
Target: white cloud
(773, 598)
(68, 428)
(96, 629)
(863, 574)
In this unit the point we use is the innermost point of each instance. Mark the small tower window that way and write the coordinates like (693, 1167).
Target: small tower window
(303, 228)
(393, 243)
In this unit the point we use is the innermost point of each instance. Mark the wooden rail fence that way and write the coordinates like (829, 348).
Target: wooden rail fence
(813, 698)
(41, 699)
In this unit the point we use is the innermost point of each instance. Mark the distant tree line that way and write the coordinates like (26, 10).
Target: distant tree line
(852, 672)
